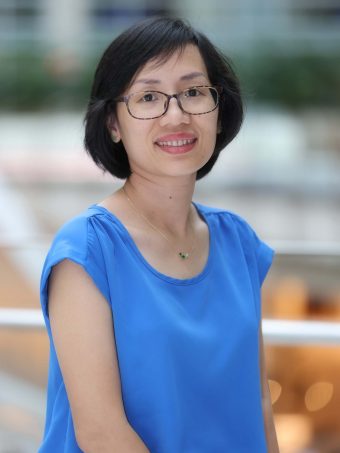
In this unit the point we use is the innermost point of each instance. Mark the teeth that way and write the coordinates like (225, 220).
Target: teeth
(177, 142)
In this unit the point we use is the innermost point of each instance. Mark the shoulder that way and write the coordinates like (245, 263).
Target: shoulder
(230, 225)
(75, 235)
(80, 241)
(226, 218)
(84, 240)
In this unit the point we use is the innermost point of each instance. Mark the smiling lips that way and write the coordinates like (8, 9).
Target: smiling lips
(176, 143)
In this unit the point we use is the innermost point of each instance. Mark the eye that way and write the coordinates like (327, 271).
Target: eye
(192, 92)
(149, 96)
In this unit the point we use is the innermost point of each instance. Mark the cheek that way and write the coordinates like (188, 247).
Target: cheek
(211, 122)
(210, 137)
(211, 130)
(135, 137)
(129, 131)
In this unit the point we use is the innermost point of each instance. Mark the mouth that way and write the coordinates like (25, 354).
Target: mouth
(178, 146)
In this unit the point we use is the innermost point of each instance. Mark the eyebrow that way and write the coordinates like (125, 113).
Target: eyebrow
(190, 76)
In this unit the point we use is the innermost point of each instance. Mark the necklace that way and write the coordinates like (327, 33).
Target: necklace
(182, 255)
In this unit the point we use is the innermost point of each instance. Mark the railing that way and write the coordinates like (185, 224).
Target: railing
(275, 331)
(282, 248)
(279, 332)
(307, 249)
(20, 318)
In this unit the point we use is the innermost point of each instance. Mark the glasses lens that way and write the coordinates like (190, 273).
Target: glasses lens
(199, 100)
(152, 104)
(147, 104)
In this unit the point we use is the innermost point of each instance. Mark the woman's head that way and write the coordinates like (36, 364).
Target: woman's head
(154, 40)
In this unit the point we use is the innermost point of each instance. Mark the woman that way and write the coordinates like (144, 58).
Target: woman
(152, 302)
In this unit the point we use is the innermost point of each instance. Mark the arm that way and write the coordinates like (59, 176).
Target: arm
(83, 334)
(272, 443)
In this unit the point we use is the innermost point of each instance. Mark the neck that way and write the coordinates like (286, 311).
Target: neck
(166, 204)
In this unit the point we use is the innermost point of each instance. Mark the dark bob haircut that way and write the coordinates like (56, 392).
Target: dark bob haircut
(158, 39)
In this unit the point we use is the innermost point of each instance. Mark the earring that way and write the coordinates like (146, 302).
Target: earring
(114, 137)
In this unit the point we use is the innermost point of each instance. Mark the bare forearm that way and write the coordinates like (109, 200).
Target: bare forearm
(130, 442)
(122, 439)
(272, 444)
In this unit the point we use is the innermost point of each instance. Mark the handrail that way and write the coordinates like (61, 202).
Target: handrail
(288, 332)
(275, 331)
(21, 318)
(279, 332)
(281, 247)
(306, 248)
(29, 242)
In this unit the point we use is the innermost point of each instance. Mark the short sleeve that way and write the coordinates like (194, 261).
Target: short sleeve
(259, 254)
(78, 242)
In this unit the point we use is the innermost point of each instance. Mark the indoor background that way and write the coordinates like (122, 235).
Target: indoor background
(281, 174)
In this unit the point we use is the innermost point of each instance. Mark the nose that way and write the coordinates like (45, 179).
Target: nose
(174, 114)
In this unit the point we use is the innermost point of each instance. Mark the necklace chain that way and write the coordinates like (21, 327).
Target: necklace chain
(182, 255)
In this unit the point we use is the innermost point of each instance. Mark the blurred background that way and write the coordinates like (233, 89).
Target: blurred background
(281, 174)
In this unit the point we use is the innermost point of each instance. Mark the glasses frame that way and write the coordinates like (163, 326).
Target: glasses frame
(126, 99)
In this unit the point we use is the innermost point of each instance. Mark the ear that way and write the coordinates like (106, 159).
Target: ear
(113, 128)
(219, 127)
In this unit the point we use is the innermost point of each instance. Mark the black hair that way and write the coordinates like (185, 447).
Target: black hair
(155, 38)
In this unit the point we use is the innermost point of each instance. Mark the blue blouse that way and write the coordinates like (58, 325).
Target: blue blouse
(187, 349)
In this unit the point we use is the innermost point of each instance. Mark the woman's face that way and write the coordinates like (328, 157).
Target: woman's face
(155, 146)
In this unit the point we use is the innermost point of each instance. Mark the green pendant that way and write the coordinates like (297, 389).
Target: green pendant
(184, 256)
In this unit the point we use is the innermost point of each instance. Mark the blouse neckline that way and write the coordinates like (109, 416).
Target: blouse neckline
(130, 241)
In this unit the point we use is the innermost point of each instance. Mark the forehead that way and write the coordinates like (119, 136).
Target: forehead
(182, 62)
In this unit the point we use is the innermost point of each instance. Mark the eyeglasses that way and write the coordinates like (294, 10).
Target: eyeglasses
(147, 105)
